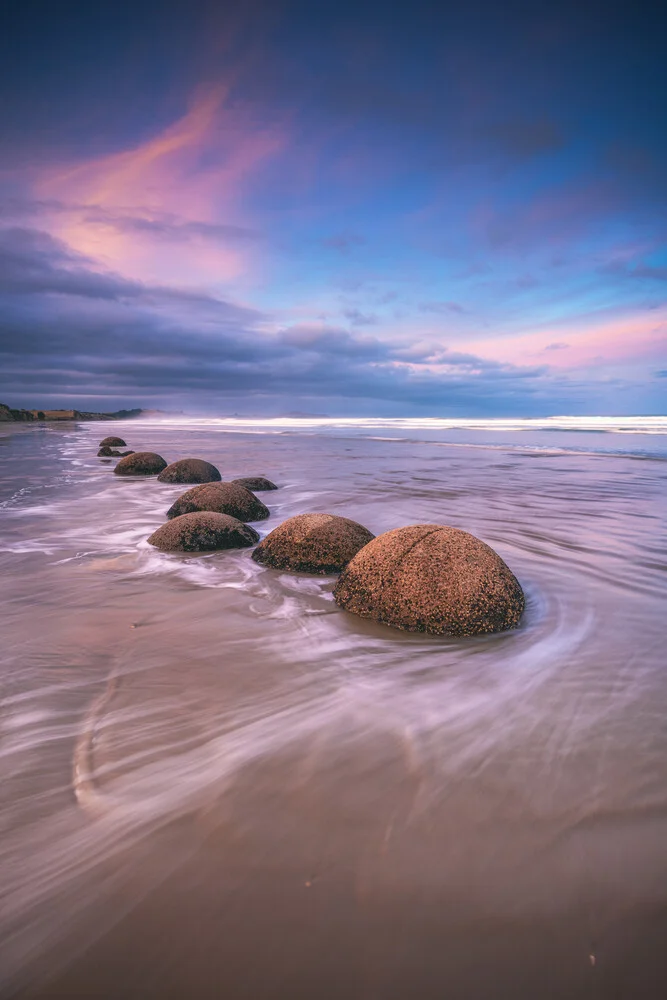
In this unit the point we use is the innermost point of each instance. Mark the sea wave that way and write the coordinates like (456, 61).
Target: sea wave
(610, 425)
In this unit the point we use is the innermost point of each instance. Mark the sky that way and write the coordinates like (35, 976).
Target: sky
(345, 208)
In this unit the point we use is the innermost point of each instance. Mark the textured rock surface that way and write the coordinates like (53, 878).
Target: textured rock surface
(113, 442)
(312, 543)
(140, 463)
(432, 578)
(255, 483)
(225, 498)
(190, 470)
(203, 531)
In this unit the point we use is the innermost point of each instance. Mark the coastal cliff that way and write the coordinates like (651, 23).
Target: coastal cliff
(9, 414)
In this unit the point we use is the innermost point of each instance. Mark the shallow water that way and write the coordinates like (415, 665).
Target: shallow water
(218, 783)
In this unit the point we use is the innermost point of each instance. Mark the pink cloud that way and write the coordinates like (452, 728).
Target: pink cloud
(198, 168)
(609, 341)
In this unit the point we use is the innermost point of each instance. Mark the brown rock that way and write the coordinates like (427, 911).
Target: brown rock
(312, 543)
(225, 498)
(256, 483)
(140, 463)
(108, 452)
(431, 578)
(190, 470)
(113, 442)
(203, 531)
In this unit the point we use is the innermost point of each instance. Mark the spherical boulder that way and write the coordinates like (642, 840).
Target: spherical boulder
(225, 498)
(113, 442)
(203, 531)
(190, 470)
(256, 483)
(312, 543)
(140, 463)
(431, 578)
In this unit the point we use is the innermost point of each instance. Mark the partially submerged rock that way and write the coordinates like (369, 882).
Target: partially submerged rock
(190, 470)
(255, 483)
(113, 442)
(203, 531)
(107, 452)
(225, 498)
(312, 543)
(140, 463)
(431, 578)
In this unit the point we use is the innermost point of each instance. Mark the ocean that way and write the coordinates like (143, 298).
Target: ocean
(218, 783)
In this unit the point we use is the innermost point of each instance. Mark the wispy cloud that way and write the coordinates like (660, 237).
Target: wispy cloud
(187, 184)
(358, 318)
(169, 227)
(442, 307)
(606, 340)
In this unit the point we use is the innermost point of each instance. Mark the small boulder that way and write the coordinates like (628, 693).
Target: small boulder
(203, 531)
(140, 463)
(312, 543)
(190, 470)
(431, 578)
(113, 442)
(108, 452)
(225, 498)
(256, 483)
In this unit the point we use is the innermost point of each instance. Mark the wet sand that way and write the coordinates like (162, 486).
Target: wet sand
(218, 783)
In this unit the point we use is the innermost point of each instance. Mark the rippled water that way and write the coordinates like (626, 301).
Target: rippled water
(216, 783)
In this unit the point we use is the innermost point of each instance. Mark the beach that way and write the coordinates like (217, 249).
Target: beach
(217, 782)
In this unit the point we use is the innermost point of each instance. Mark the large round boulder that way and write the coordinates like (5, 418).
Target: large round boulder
(190, 470)
(140, 463)
(203, 531)
(431, 578)
(113, 442)
(256, 483)
(312, 543)
(225, 498)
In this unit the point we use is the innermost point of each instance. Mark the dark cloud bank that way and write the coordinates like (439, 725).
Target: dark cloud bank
(72, 334)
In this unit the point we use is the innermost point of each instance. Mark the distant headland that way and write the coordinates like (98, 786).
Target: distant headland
(7, 414)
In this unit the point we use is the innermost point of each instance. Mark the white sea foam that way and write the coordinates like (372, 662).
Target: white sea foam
(617, 425)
